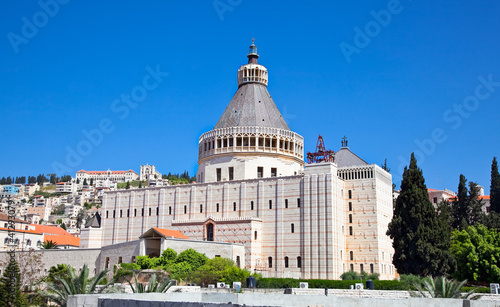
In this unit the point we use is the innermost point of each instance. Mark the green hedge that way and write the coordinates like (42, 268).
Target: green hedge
(283, 283)
(478, 290)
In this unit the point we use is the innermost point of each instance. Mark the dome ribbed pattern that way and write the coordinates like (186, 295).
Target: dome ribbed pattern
(252, 106)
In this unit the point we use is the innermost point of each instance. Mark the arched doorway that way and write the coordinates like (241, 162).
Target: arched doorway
(210, 231)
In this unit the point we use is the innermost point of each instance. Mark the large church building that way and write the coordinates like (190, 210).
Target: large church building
(309, 221)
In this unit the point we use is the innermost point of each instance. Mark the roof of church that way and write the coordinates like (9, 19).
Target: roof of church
(166, 233)
(252, 106)
(345, 157)
(94, 222)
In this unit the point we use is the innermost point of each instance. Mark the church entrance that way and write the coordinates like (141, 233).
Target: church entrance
(210, 232)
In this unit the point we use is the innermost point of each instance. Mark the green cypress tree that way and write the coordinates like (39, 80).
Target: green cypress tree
(495, 187)
(475, 213)
(421, 242)
(10, 285)
(460, 205)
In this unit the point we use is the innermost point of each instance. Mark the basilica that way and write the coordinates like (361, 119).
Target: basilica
(254, 190)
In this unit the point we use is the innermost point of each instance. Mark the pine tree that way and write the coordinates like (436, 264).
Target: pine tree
(10, 285)
(421, 243)
(85, 181)
(92, 181)
(495, 187)
(127, 186)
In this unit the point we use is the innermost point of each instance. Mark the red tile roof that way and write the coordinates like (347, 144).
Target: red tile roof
(5, 217)
(22, 230)
(171, 233)
(53, 230)
(63, 240)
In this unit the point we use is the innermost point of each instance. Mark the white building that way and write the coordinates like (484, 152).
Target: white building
(294, 219)
(116, 176)
(149, 172)
(66, 187)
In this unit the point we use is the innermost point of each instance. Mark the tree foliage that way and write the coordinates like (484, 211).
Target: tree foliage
(49, 244)
(467, 207)
(495, 187)
(10, 286)
(421, 245)
(477, 252)
(219, 269)
(30, 267)
(440, 287)
(192, 257)
(70, 283)
(153, 286)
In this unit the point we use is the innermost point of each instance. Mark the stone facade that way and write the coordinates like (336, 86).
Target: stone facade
(294, 219)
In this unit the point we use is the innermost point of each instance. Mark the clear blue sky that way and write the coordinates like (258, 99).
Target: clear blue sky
(416, 79)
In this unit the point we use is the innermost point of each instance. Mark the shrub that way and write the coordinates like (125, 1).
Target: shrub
(130, 266)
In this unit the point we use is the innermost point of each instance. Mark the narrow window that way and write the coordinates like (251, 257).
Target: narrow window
(170, 210)
(157, 210)
(201, 208)
(286, 262)
(142, 212)
(293, 228)
(231, 173)
(260, 172)
(238, 261)
(251, 205)
(107, 263)
(270, 204)
(217, 207)
(270, 261)
(107, 215)
(298, 202)
(120, 260)
(128, 212)
(371, 268)
(350, 194)
(286, 203)
(352, 267)
(234, 206)
(185, 209)
(219, 174)
(435, 200)
(274, 171)
(135, 212)
(121, 213)
(350, 206)
(149, 211)
(132, 259)
(351, 255)
(255, 235)
(299, 262)
(361, 268)
(350, 218)
(114, 213)
(350, 230)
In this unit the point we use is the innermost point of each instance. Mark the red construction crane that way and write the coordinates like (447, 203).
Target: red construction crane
(321, 154)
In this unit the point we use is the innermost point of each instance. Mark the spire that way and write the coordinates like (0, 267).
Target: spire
(252, 53)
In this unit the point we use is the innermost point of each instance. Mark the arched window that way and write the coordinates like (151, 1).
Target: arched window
(286, 262)
(350, 206)
(217, 207)
(352, 267)
(351, 255)
(361, 268)
(201, 208)
(185, 209)
(270, 204)
(299, 262)
(286, 203)
(255, 235)
(170, 210)
(107, 214)
(350, 218)
(157, 210)
(6, 241)
(234, 206)
(28, 242)
(270, 262)
(251, 205)
(371, 268)
(210, 232)
(350, 230)
(293, 228)
(350, 194)
(298, 202)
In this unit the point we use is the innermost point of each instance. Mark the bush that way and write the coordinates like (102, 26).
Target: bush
(282, 283)
(130, 266)
(409, 280)
(478, 290)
